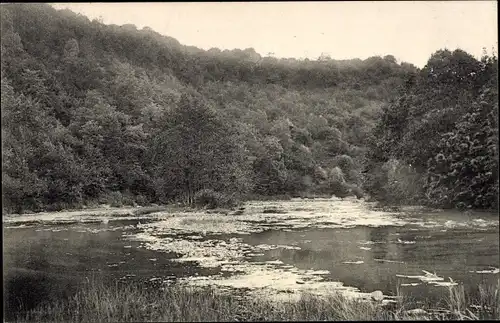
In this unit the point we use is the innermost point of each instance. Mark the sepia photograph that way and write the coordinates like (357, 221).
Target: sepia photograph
(250, 161)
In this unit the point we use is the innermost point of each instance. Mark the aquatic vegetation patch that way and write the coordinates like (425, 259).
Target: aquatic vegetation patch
(207, 253)
(269, 280)
(405, 241)
(294, 214)
(491, 270)
(274, 211)
(389, 261)
(272, 247)
(214, 241)
(271, 277)
(64, 216)
(233, 256)
(431, 279)
(369, 242)
(326, 214)
(410, 284)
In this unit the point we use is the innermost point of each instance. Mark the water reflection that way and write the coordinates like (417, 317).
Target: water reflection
(368, 258)
(25, 289)
(33, 255)
(384, 252)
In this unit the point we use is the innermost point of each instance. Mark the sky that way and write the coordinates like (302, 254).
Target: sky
(409, 30)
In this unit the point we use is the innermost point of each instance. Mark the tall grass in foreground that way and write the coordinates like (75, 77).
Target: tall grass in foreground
(99, 301)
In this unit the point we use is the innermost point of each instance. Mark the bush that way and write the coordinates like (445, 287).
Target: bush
(114, 199)
(394, 182)
(404, 184)
(344, 162)
(60, 206)
(141, 200)
(336, 183)
(128, 199)
(211, 199)
(340, 190)
(356, 191)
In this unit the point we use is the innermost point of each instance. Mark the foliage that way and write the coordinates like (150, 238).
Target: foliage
(197, 149)
(211, 199)
(444, 128)
(401, 184)
(465, 171)
(89, 109)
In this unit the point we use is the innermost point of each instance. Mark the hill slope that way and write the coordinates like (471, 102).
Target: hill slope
(93, 113)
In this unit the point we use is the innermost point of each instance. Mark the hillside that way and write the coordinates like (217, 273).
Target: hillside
(95, 113)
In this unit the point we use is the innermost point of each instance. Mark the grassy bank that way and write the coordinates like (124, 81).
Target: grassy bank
(99, 301)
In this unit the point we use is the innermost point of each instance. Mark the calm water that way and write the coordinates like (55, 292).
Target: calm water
(450, 254)
(45, 261)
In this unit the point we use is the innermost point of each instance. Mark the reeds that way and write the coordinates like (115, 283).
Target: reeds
(100, 301)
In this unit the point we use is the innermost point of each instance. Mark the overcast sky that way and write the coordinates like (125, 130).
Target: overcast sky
(409, 30)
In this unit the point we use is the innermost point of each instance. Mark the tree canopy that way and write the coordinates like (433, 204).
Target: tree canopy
(93, 113)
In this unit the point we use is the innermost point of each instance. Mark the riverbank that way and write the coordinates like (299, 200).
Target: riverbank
(102, 301)
(89, 214)
(129, 210)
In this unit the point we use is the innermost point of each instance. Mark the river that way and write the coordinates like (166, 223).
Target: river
(271, 249)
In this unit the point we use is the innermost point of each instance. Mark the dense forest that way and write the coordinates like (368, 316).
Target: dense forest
(95, 113)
